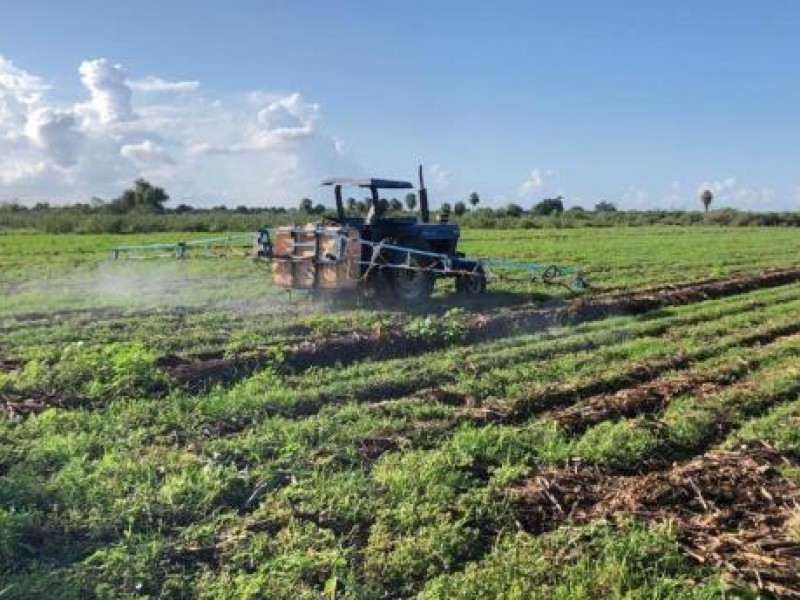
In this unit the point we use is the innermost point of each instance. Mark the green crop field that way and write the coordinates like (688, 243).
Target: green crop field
(180, 429)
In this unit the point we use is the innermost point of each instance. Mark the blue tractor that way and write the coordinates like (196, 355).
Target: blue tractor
(397, 258)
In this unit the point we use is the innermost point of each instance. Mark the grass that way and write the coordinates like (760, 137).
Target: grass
(376, 478)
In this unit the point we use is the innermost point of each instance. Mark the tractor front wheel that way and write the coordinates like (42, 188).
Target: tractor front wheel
(473, 283)
(412, 287)
(412, 283)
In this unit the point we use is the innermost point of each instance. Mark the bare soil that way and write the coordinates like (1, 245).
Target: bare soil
(731, 510)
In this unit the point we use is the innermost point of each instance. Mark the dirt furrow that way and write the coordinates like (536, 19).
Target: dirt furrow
(22, 405)
(637, 376)
(346, 349)
(653, 396)
(731, 510)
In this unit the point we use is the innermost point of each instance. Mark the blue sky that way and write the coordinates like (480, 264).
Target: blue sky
(641, 103)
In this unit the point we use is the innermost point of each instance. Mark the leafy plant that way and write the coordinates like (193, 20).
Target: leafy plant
(450, 328)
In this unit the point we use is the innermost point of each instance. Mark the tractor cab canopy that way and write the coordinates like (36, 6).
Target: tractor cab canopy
(373, 185)
(378, 184)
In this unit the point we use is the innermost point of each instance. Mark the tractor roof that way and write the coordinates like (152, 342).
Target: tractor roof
(383, 184)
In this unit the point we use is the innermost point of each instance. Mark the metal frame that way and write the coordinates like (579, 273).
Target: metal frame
(179, 250)
(446, 265)
(443, 265)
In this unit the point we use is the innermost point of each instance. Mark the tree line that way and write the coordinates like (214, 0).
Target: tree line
(144, 208)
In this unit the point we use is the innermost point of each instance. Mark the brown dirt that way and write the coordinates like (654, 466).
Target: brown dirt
(200, 371)
(372, 448)
(731, 510)
(349, 348)
(29, 404)
(626, 303)
(9, 364)
(650, 397)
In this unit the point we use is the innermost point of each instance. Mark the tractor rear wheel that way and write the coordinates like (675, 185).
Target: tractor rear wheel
(471, 284)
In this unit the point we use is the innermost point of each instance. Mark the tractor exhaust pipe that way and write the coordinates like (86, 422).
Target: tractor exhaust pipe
(423, 199)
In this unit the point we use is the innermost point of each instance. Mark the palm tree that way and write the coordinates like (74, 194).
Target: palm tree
(706, 197)
(474, 199)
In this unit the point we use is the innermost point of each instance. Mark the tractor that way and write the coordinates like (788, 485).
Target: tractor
(397, 259)
(392, 258)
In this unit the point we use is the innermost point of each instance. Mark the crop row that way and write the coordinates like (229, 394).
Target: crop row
(384, 498)
(379, 500)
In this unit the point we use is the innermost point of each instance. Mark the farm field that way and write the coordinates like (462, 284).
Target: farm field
(183, 429)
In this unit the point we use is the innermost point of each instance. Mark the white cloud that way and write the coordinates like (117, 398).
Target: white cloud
(18, 84)
(440, 179)
(152, 84)
(257, 147)
(288, 118)
(635, 197)
(730, 192)
(675, 195)
(339, 144)
(54, 133)
(146, 153)
(535, 182)
(110, 95)
(20, 93)
(13, 171)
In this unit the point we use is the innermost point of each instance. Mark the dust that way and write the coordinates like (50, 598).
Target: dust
(241, 288)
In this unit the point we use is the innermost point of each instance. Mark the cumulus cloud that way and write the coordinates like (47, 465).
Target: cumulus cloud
(110, 95)
(285, 119)
(19, 85)
(20, 93)
(146, 153)
(259, 147)
(54, 132)
(13, 171)
(151, 84)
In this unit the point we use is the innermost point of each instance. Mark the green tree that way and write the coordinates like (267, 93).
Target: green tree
(307, 205)
(395, 205)
(143, 196)
(319, 209)
(514, 210)
(549, 206)
(352, 205)
(411, 201)
(459, 208)
(604, 206)
(474, 199)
